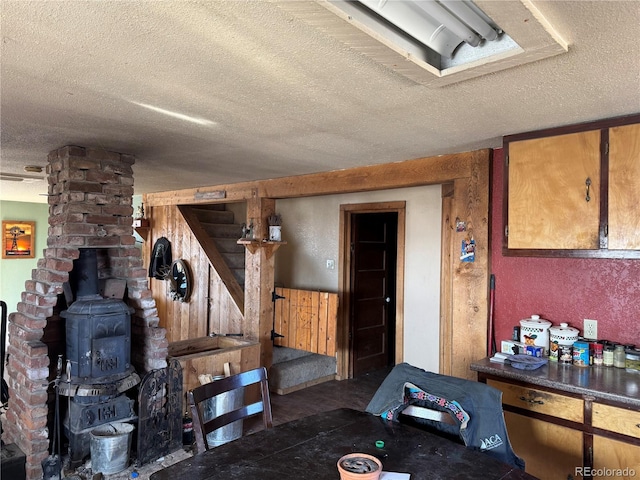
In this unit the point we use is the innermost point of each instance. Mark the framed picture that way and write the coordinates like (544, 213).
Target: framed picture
(18, 239)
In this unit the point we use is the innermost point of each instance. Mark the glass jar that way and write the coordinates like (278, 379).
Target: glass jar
(607, 356)
(619, 357)
(632, 360)
(598, 354)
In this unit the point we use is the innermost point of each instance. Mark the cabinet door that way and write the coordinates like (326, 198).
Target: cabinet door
(616, 419)
(541, 401)
(550, 451)
(548, 206)
(624, 188)
(614, 455)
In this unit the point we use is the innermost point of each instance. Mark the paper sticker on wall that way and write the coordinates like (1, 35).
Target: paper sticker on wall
(468, 250)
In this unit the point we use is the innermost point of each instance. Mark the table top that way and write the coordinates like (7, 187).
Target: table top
(309, 448)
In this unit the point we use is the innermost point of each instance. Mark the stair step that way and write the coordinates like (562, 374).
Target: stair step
(214, 216)
(238, 273)
(228, 245)
(234, 260)
(212, 206)
(223, 230)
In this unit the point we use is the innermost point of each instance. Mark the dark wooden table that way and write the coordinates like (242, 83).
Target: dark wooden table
(309, 448)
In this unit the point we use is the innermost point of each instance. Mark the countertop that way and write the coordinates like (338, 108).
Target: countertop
(602, 383)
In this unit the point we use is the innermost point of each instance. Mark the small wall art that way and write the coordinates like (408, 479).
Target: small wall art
(18, 239)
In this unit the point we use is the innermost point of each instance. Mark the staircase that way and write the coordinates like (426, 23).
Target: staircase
(219, 225)
(217, 233)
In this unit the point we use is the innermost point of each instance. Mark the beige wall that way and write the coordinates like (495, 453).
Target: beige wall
(310, 226)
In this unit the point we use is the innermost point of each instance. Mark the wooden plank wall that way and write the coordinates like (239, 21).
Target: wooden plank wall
(210, 307)
(308, 320)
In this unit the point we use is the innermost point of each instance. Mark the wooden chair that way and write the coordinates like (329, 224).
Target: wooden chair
(200, 394)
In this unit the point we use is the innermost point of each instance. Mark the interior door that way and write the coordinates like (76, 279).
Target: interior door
(373, 273)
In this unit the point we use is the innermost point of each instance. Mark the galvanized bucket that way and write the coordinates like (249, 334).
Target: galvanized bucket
(110, 445)
(216, 406)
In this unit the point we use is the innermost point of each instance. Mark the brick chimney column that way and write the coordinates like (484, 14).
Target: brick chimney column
(90, 206)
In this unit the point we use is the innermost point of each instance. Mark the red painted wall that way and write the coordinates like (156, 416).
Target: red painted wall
(561, 289)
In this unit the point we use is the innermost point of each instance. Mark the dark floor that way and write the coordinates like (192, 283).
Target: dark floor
(353, 393)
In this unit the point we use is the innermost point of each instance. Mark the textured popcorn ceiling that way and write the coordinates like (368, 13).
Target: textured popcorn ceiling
(213, 92)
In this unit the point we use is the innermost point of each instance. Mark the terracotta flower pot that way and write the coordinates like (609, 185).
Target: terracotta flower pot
(359, 466)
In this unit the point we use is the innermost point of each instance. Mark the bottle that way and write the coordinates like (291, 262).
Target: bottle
(187, 430)
(598, 354)
(619, 357)
(607, 356)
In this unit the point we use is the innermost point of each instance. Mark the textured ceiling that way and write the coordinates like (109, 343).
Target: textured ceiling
(273, 93)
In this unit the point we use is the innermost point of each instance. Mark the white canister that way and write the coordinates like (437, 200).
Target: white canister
(535, 331)
(564, 335)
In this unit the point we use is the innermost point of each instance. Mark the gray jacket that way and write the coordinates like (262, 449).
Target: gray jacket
(475, 407)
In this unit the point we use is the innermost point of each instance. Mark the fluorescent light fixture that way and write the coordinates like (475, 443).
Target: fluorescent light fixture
(441, 26)
(179, 116)
(443, 41)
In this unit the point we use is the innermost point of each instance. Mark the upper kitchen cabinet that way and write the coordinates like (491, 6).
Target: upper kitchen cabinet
(624, 187)
(574, 191)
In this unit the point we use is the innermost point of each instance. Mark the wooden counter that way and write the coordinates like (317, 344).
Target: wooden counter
(565, 420)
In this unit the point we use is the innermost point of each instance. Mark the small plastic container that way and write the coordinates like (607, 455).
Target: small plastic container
(619, 357)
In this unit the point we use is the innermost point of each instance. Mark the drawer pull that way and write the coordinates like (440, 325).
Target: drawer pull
(532, 401)
(638, 425)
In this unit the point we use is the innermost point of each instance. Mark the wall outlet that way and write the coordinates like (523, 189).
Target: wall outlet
(590, 329)
(331, 264)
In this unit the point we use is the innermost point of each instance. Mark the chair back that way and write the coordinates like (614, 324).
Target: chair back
(200, 394)
(475, 408)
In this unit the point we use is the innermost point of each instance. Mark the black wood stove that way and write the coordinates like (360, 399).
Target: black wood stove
(98, 349)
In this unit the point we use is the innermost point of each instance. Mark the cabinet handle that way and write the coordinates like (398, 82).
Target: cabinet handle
(638, 425)
(532, 400)
(587, 182)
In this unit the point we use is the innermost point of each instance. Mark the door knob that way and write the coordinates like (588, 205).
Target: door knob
(388, 299)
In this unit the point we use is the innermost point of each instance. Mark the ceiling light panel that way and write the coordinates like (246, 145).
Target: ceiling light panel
(511, 33)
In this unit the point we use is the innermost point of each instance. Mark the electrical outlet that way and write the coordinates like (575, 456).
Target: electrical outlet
(590, 329)
(331, 264)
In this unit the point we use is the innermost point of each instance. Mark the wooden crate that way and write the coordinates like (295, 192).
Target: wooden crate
(207, 355)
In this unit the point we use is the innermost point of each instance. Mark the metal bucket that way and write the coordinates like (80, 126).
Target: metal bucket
(216, 406)
(110, 445)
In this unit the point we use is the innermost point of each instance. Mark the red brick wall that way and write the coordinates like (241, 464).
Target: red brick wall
(90, 206)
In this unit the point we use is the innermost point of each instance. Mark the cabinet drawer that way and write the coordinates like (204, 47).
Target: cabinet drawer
(539, 401)
(616, 419)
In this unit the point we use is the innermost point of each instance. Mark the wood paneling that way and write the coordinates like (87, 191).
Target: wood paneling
(308, 320)
(468, 301)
